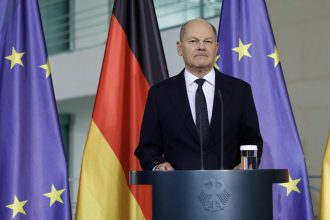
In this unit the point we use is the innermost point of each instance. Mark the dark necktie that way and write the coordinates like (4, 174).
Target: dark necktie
(202, 120)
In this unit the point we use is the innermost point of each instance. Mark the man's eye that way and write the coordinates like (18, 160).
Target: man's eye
(209, 42)
(193, 41)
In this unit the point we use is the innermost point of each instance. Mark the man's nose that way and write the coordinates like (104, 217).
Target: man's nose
(201, 46)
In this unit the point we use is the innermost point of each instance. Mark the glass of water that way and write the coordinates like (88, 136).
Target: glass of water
(249, 158)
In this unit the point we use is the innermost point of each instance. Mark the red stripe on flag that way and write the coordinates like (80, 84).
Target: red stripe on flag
(120, 103)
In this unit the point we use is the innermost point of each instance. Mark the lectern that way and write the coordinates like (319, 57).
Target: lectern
(211, 194)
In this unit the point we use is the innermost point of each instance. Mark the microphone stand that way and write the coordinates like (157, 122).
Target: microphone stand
(221, 125)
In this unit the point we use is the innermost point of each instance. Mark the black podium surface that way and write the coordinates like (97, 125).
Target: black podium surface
(211, 194)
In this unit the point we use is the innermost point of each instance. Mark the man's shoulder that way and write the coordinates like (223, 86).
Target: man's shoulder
(178, 80)
(231, 80)
(173, 81)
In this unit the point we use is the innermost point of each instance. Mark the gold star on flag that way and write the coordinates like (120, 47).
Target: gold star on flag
(275, 56)
(54, 195)
(291, 185)
(242, 50)
(17, 206)
(47, 68)
(15, 58)
(215, 62)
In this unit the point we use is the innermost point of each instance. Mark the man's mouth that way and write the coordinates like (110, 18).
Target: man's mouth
(201, 55)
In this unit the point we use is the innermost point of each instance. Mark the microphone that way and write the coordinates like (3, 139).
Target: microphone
(221, 132)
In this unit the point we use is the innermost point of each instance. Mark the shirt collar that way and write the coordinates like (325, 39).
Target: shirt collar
(190, 78)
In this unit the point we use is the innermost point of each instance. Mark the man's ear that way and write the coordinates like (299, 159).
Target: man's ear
(179, 48)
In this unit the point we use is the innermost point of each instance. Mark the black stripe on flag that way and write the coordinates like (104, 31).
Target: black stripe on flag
(138, 19)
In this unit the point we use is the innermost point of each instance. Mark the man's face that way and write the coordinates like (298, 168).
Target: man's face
(198, 46)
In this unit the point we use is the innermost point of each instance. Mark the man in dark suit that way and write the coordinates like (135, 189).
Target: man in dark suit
(183, 112)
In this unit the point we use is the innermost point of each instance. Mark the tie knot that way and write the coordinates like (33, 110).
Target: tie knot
(200, 81)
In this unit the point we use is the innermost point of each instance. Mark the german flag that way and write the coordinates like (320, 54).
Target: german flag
(133, 61)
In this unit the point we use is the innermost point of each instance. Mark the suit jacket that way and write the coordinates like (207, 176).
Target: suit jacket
(168, 132)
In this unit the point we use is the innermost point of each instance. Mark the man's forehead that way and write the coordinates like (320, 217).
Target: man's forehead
(197, 32)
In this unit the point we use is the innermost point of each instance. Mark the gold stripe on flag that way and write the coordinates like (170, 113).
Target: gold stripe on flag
(99, 183)
(324, 211)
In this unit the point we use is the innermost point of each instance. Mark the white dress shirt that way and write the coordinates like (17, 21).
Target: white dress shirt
(208, 89)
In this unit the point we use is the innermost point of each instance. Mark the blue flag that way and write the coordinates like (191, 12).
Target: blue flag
(33, 178)
(248, 51)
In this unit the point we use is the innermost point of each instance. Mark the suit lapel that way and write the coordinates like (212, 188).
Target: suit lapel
(180, 100)
(220, 83)
(181, 103)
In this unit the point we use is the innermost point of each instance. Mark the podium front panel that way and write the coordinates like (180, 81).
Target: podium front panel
(206, 194)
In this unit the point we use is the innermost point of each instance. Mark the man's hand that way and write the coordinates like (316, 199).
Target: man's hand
(164, 167)
(238, 167)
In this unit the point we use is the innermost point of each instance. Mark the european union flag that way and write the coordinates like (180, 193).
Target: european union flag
(248, 51)
(33, 179)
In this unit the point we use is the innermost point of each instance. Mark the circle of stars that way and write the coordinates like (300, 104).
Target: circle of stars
(15, 58)
(17, 206)
(243, 50)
